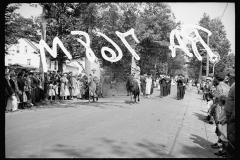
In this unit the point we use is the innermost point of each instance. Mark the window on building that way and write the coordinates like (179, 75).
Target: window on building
(28, 61)
(9, 62)
(17, 49)
(55, 67)
(25, 49)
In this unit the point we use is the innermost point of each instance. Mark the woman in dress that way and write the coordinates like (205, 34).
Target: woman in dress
(51, 90)
(66, 90)
(148, 85)
(10, 94)
(13, 82)
(75, 86)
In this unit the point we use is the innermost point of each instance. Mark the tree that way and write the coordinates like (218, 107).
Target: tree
(17, 27)
(153, 28)
(217, 42)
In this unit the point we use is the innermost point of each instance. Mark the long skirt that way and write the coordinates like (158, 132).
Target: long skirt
(180, 92)
(33, 95)
(62, 90)
(12, 104)
(161, 90)
(66, 91)
(51, 92)
(75, 91)
(164, 90)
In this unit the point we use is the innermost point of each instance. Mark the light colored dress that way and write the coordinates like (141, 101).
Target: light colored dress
(12, 104)
(148, 85)
(76, 89)
(66, 90)
(51, 91)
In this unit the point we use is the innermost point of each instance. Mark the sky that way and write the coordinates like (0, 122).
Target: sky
(187, 13)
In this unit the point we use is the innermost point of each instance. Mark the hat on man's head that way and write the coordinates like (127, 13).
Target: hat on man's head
(231, 72)
(220, 76)
(209, 78)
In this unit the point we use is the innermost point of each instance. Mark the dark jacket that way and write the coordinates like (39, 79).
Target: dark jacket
(8, 88)
(21, 84)
(230, 104)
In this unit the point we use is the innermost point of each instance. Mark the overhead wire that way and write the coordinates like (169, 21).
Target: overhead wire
(224, 11)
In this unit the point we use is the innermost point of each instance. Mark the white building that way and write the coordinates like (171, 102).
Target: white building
(27, 52)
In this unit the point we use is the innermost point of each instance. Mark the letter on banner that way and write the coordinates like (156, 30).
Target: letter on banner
(53, 52)
(122, 37)
(197, 39)
(89, 53)
(114, 58)
(182, 45)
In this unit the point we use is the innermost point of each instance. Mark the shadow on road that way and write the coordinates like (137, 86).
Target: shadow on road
(143, 149)
(201, 117)
(204, 149)
(66, 151)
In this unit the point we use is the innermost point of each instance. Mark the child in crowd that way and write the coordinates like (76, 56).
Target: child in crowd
(51, 91)
(222, 127)
(209, 105)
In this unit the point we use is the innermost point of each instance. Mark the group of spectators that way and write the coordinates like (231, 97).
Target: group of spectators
(24, 88)
(163, 83)
(219, 92)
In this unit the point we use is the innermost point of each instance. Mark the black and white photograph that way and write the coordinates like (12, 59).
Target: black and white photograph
(120, 80)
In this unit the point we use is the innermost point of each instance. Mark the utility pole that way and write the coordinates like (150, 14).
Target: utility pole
(43, 37)
(207, 69)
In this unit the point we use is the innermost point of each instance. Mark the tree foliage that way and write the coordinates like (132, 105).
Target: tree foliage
(17, 27)
(218, 42)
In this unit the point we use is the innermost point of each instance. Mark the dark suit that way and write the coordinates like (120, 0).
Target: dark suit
(180, 89)
(164, 86)
(169, 87)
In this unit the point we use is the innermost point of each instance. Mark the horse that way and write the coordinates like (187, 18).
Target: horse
(93, 87)
(133, 88)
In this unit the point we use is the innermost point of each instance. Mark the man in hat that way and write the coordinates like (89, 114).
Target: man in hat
(161, 85)
(222, 89)
(230, 115)
(169, 85)
(180, 87)
(143, 84)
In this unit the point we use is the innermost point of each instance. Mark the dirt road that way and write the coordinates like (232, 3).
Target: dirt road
(112, 128)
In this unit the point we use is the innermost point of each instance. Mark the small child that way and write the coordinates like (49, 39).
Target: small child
(222, 127)
(51, 91)
(209, 107)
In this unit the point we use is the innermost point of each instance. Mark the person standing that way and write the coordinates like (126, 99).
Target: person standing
(9, 92)
(230, 115)
(161, 86)
(148, 85)
(164, 85)
(70, 85)
(180, 87)
(21, 85)
(169, 85)
(143, 84)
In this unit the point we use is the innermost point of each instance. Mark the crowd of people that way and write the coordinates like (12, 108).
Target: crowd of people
(219, 93)
(25, 88)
